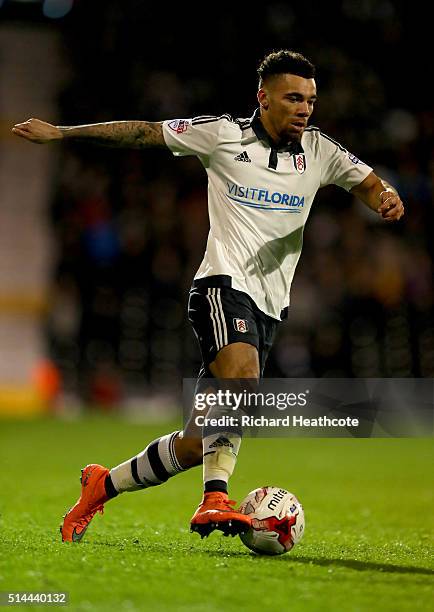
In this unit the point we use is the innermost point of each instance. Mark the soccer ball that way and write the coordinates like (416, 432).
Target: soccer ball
(277, 521)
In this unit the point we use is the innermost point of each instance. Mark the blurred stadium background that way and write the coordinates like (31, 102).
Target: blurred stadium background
(98, 246)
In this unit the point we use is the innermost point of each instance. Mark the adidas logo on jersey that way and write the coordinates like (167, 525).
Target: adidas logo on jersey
(243, 157)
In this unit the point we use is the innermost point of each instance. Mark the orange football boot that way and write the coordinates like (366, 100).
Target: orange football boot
(92, 499)
(215, 512)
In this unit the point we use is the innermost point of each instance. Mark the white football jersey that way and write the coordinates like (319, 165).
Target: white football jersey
(259, 198)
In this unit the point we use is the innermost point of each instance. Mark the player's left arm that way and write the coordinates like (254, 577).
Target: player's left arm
(379, 195)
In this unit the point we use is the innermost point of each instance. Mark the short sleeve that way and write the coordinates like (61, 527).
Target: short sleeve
(339, 166)
(196, 136)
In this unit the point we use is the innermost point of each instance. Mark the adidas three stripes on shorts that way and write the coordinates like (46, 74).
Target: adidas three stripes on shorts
(221, 315)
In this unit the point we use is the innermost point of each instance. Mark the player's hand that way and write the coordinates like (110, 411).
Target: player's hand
(37, 131)
(391, 207)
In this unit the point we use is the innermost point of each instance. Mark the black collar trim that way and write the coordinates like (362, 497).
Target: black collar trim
(293, 147)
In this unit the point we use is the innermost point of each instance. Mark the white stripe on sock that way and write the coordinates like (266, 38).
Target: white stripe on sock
(144, 470)
(167, 455)
(178, 467)
(122, 478)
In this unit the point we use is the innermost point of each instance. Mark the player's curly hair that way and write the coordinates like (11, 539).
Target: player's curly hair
(285, 62)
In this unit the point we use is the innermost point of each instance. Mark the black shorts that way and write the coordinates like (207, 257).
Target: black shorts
(221, 315)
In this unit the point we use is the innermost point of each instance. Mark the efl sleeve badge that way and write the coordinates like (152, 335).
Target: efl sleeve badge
(179, 125)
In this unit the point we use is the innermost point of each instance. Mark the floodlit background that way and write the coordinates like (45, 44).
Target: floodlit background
(98, 247)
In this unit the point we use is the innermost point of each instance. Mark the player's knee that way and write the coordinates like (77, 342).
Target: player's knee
(250, 372)
(246, 370)
(237, 369)
(237, 360)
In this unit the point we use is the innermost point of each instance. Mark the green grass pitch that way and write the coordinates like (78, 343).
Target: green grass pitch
(367, 546)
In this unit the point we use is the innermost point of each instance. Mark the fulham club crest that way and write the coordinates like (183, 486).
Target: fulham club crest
(241, 325)
(299, 162)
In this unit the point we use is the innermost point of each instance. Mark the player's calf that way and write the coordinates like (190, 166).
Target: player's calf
(238, 365)
(189, 451)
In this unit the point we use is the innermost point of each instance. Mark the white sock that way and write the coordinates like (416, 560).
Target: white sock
(220, 452)
(153, 466)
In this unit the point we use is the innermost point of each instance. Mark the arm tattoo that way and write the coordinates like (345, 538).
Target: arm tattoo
(130, 134)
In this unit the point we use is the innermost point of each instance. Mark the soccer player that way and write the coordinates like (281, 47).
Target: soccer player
(263, 174)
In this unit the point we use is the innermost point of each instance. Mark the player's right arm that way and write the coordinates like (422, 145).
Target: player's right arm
(129, 134)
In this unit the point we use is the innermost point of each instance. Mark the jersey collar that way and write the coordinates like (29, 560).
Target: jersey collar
(292, 147)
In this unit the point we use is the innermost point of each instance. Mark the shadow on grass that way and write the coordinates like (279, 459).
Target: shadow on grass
(362, 566)
(192, 549)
